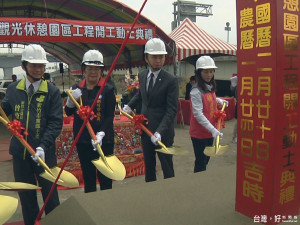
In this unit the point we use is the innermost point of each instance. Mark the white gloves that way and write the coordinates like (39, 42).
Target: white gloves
(156, 138)
(127, 109)
(221, 101)
(39, 153)
(234, 81)
(99, 136)
(76, 94)
(216, 133)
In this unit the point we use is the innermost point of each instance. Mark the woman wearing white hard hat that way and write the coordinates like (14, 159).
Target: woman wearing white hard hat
(92, 69)
(37, 105)
(203, 104)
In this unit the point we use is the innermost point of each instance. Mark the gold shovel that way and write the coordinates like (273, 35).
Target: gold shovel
(166, 150)
(66, 179)
(8, 206)
(110, 165)
(17, 186)
(217, 149)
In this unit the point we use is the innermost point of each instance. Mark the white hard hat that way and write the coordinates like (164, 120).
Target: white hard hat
(34, 53)
(155, 46)
(205, 62)
(93, 58)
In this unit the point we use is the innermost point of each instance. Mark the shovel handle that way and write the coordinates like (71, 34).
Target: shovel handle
(21, 139)
(69, 93)
(219, 119)
(32, 152)
(2, 113)
(89, 127)
(93, 135)
(146, 130)
(29, 148)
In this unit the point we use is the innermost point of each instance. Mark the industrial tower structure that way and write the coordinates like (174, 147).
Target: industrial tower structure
(190, 9)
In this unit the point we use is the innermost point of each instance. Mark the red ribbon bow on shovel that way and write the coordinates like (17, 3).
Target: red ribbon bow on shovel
(16, 128)
(138, 120)
(220, 114)
(84, 111)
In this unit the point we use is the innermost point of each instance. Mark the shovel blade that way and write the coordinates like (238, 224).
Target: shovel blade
(115, 170)
(17, 186)
(210, 151)
(162, 150)
(178, 150)
(173, 150)
(49, 177)
(67, 178)
(8, 206)
(222, 149)
(215, 150)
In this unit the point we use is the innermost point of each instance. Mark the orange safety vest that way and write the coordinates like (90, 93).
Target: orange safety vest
(209, 108)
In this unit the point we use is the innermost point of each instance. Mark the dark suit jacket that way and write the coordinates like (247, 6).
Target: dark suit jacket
(161, 107)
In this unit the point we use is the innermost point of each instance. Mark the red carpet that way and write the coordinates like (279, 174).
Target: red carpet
(4, 145)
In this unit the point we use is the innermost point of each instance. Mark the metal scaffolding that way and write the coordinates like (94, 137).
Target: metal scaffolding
(190, 9)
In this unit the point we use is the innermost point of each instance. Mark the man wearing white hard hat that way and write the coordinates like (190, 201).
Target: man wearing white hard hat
(204, 105)
(158, 94)
(92, 68)
(37, 105)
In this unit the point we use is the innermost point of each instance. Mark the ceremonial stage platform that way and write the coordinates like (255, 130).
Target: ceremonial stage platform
(206, 198)
(127, 148)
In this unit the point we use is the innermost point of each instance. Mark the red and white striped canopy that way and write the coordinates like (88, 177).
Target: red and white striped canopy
(191, 40)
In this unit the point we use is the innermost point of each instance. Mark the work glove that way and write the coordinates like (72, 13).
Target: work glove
(99, 136)
(222, 101)
(39, 153)
(216, 133)
(127, 109)
(76, 94)
(156, 138)
(234, 81)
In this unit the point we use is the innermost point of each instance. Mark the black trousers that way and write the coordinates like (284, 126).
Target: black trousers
(27, 171)
(89, 172)
(201, 160)
(166, 160)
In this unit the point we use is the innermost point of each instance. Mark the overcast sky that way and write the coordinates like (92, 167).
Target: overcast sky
(161, 13)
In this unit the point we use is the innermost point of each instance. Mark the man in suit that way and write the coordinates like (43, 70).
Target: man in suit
(188, 87)
(158, 95)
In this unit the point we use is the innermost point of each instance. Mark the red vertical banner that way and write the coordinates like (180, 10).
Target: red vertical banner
(268, 158)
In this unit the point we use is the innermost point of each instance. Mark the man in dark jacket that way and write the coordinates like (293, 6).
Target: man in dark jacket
(188, 87)
(38, 106)
(159, 96)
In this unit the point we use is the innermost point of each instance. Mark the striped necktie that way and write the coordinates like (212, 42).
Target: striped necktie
(30, 90)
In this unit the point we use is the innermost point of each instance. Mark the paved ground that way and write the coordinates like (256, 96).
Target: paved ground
(224, 165)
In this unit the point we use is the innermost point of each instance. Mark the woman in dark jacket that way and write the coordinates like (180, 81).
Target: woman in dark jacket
(102, 123)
